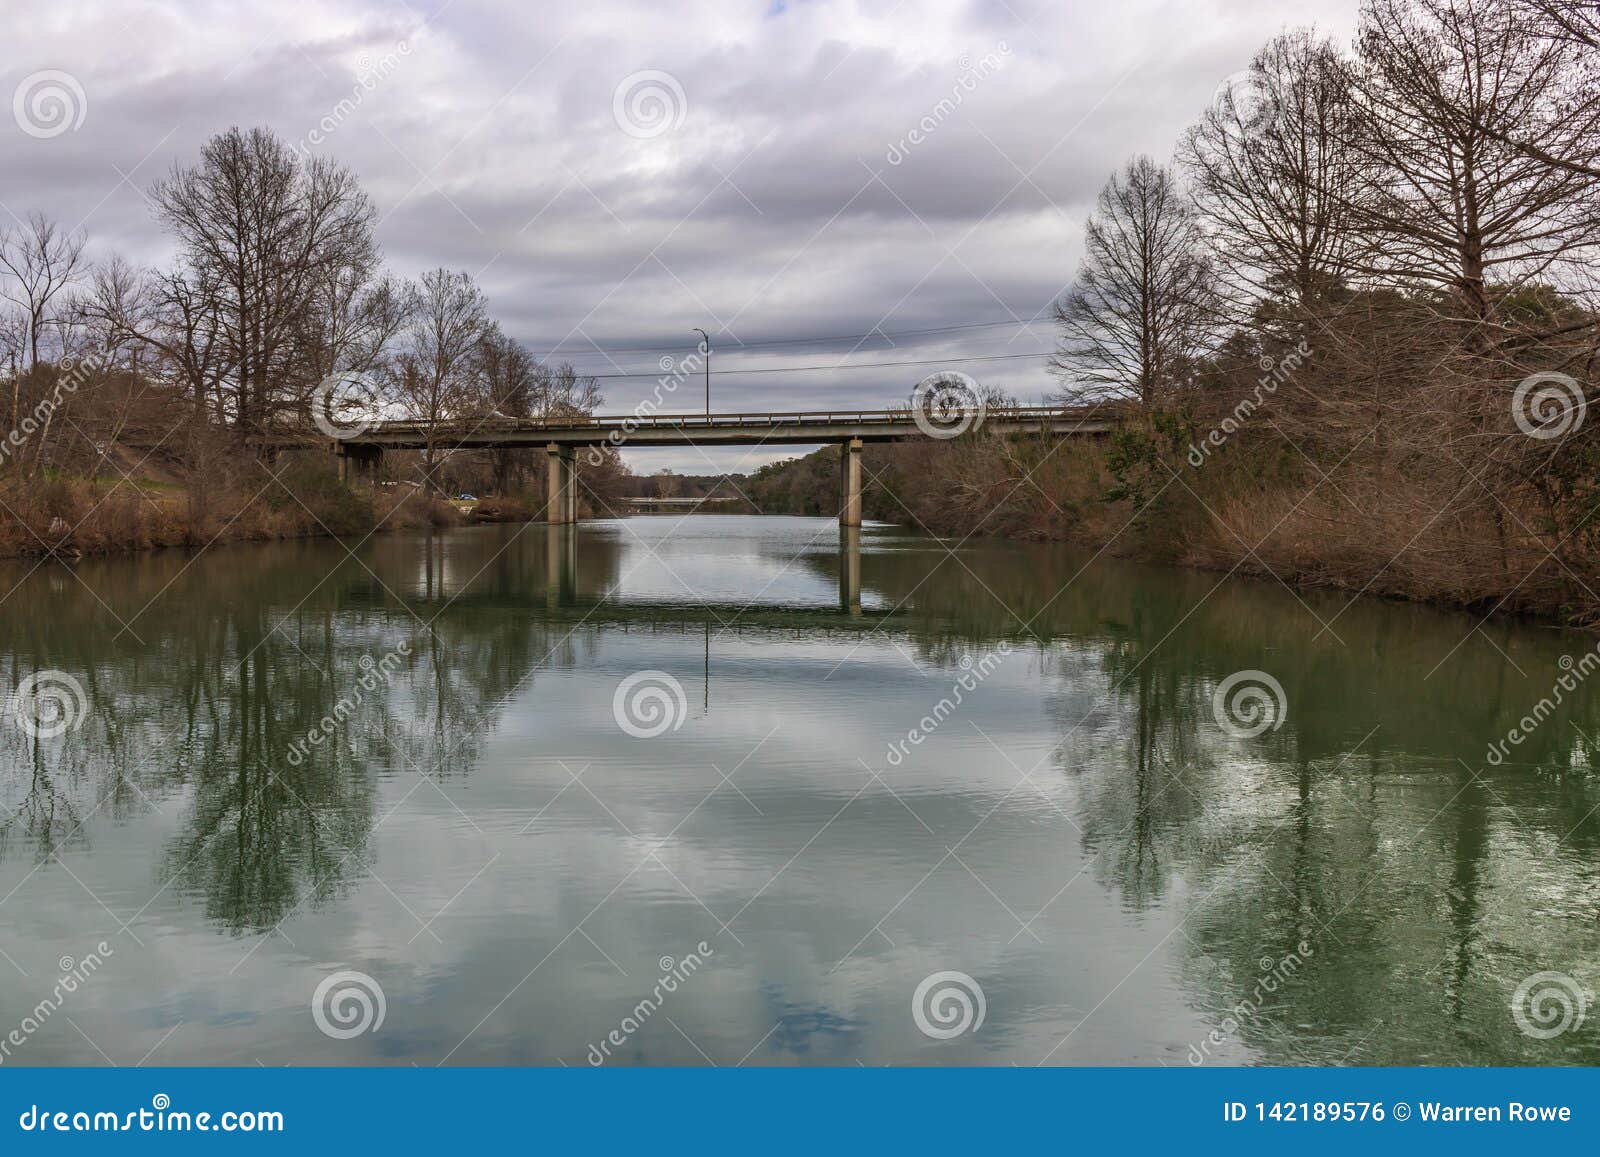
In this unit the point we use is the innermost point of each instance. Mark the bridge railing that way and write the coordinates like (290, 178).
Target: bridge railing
(892, 417)
(604, 425)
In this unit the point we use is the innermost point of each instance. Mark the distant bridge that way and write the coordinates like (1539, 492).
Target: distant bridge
(562, 437)
(650, 505)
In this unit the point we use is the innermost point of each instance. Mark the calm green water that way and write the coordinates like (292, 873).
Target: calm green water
(1007, 763)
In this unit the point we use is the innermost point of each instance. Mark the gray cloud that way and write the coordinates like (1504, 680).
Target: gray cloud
(486, 135)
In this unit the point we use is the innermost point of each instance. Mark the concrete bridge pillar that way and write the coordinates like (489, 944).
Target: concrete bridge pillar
(561, 506)
(363, 460)
(850, 483)
(561, 563)
(850, 569)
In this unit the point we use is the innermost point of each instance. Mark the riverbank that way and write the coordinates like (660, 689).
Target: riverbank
(1317, 533)
(74, 518)
(1358, 526)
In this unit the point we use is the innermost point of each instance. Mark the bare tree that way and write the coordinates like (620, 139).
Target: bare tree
(508, 372)
(42, 260)
(1443, 85)
(1574, 20)
(13, 346)
(176, 321)
(1138, 315)
(436, 372)
(561, 392)
(353, 314)
(1574, 27)
(261, 233)
(1272, 173)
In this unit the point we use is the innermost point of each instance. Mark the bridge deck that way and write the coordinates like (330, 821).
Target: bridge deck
(775, 428)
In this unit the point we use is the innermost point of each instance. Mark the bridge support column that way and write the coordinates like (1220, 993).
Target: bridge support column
(850, 483)
(561, 506)
(366, 460)
(358, 458)
(561, 563)
(850, 569)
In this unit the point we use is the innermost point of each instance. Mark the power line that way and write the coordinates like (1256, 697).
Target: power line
(856, 366)
(773, 342)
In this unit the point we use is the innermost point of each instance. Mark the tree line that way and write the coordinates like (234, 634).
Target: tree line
(277, 290)
(1356, 318)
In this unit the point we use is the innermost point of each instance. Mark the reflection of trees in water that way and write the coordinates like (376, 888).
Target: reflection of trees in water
(240, 665)
(271, 826)
(51, 786)
(1426, 884)
(1370, 826)
(1367, 827)
(35, 808)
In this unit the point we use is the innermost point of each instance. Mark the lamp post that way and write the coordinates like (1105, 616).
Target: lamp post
(705, 348)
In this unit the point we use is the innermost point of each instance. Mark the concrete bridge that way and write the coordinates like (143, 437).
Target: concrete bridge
(681, 505)
(564, 437)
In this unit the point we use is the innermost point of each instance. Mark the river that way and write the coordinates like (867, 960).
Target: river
(673, 790)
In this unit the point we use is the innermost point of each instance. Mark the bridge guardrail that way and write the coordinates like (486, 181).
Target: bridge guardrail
(602, 424)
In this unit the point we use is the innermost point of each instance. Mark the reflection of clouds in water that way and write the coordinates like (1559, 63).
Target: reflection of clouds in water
(811, 1030)
(1191, 852)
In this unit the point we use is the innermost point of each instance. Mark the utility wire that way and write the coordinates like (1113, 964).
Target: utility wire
(808, 369)
(876, 334)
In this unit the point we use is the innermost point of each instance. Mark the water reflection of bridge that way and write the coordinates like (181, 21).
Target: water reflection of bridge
(579, 572)
(561, 590)
(1367, 823)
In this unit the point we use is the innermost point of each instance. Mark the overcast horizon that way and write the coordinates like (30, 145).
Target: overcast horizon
(617, 175)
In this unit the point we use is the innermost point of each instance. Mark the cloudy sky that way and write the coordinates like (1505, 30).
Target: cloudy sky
(615, 173)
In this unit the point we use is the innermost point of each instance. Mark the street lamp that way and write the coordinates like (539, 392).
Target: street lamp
(705, 348)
